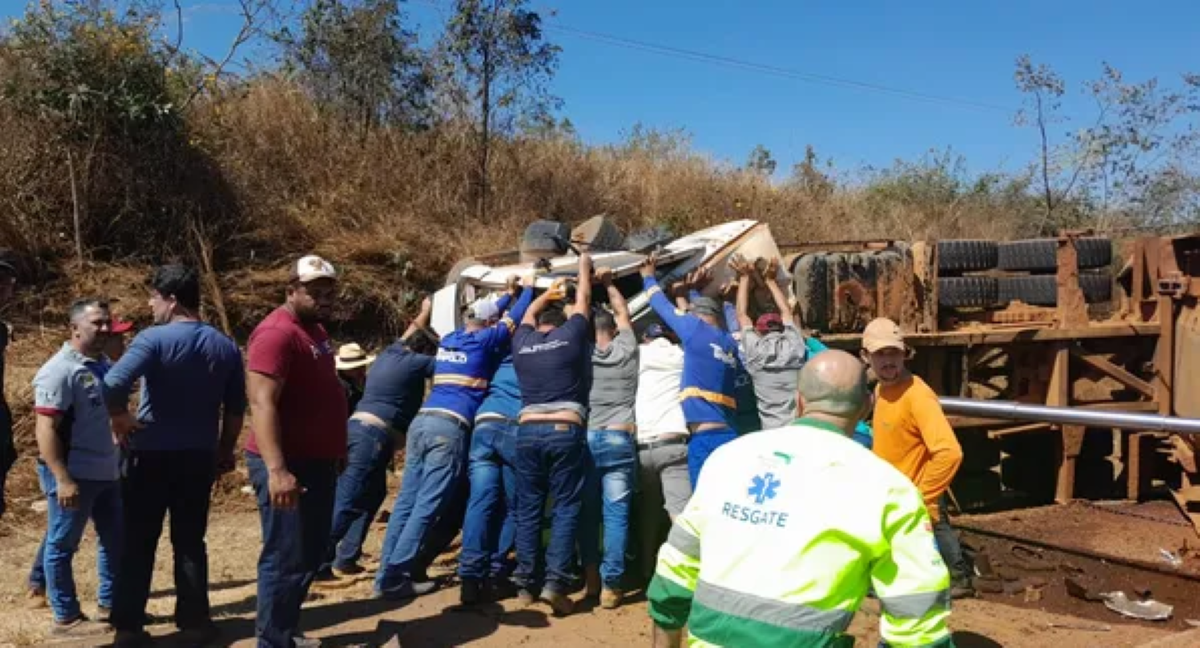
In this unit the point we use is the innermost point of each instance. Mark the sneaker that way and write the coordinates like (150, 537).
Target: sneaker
(35, 598)
(610, 599)
(407, 590)
(560, 603)
(470, 593)
(80, 626)
(592, 581)
(131, 639)
(306, 642)
(200, 635)
(525, 597)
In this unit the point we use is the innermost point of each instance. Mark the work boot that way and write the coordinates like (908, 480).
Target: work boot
(560, 603)
(525, 597)
(591, 576)
(500, 589)
(470, 593)
(200, 635)
(132, 639)
(351, 569)
(610, 599)
(961, 588)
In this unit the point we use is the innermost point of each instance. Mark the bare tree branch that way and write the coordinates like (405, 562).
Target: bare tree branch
(251, 11)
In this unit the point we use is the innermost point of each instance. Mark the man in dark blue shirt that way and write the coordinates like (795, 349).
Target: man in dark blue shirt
(193, 399)
(552, 356)
(392, 395)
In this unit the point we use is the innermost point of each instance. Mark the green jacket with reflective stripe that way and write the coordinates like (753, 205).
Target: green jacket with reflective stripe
(784, 535)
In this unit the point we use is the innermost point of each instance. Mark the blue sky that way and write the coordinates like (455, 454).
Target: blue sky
(963, 50)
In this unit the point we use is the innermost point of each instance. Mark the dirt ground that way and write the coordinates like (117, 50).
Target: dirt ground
(344, 616)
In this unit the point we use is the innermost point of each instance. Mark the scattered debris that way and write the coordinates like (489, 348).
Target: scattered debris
(1033, 593)
(39, 506)
(1030, 560)
(1171, 557)
(983, 565)
(1080, 591)
(1192, 622)
(988, 585)
(1080, 626)
(1149, 610)
(247, 490)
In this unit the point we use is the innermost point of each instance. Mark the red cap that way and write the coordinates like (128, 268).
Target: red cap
(120, 326)
(768, 321)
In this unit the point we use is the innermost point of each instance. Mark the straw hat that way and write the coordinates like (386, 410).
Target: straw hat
(352, 356)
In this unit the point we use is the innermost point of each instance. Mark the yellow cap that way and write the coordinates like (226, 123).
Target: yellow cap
(882, 333)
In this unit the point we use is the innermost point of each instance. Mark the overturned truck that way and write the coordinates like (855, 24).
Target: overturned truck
(1060, 322)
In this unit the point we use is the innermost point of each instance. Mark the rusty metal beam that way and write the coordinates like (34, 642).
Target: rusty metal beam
(984, 336)
(1116, 372)
(1019, 429)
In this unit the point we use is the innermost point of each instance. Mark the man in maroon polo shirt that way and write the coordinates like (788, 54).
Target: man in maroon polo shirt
(298, 421)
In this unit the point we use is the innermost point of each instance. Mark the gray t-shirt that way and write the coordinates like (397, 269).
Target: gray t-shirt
(72, 385)
(774, 361)
(614, 382)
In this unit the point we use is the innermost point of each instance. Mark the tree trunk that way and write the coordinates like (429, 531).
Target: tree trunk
(75, 208)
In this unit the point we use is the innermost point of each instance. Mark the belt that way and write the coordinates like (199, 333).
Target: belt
(564, 421)
(495, 418)
(463, 425)
(663, 440)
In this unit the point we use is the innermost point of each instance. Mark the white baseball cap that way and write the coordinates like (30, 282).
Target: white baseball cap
(311, 268)
(484, 309)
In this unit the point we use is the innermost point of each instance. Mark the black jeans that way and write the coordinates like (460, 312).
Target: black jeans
(156, 482)
(8, 452)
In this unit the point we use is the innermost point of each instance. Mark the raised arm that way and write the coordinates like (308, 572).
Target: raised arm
(683, 324)
(552, 294)
(420, 324)
(743, 271)
(583, 291)
(615, 299)
(771, 279)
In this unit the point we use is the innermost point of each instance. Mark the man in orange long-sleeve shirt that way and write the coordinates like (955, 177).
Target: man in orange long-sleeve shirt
(912, 434)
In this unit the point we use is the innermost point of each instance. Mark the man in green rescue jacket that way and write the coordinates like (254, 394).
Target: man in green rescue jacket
(788, 530)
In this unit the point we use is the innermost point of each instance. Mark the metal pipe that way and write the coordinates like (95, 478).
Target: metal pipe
(1069, 415)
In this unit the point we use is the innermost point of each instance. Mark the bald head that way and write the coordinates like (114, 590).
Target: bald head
(834, 383)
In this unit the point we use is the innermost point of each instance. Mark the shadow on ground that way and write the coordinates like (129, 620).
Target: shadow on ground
(964, 639)
(453, 626)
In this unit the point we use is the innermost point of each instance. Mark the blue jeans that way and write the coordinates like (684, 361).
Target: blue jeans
(608, 492)
(701, 445)
(550, 462)
(361, 489)
(99, 501)
(434, 468)
(488, 530)
(37, 572)
(294, 543)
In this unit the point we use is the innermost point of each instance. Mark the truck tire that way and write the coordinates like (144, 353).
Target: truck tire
(1042, 290)
(599, 233)
(967, 292)
(457, 269)
(545, 238)
(1041, 255)
(966, 255)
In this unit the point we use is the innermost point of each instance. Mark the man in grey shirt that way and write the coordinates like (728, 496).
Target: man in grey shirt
(612, 448)
(772, 348)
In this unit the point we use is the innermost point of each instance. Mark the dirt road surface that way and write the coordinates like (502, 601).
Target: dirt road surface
(344, 616)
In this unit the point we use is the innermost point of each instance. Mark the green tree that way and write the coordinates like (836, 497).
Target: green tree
(360, 63)
(761, 162)
(496, 66)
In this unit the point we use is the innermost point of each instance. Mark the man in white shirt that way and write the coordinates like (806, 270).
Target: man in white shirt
(662, 436)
